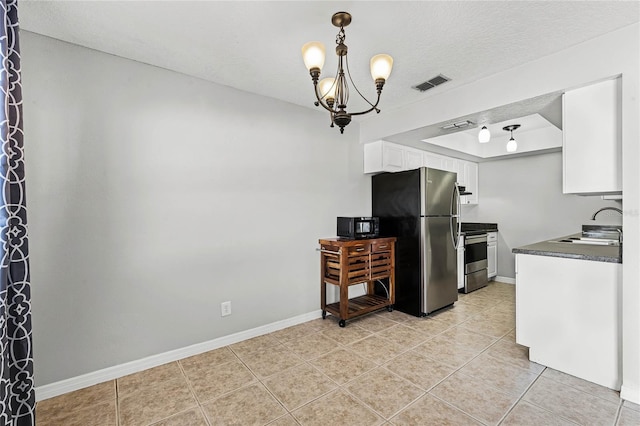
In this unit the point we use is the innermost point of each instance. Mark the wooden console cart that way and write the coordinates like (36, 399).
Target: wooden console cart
(349, 262)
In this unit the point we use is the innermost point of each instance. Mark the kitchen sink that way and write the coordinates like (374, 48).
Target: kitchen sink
(588, 240)
(601, 235)
(610, 232)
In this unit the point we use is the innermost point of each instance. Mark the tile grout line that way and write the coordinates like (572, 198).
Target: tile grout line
(456, 408)
(117, 402)
(581, 390)
(543, 408)
(193, 393)
(505, 415)
(380, 414)
(618, 413)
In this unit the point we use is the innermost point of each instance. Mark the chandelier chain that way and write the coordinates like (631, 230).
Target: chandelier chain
(340, 36)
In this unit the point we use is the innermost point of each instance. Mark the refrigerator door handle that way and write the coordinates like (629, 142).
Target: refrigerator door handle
(459, 230)
(455, 197)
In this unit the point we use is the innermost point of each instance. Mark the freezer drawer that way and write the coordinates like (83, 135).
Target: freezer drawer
(475, 280)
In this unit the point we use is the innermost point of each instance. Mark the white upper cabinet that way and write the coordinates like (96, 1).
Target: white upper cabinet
(591, 150)
(383, 156)
(414, 158)
(470, 182)
(468, 177)
(433, 161)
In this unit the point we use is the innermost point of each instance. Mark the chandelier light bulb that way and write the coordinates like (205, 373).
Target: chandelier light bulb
(327, 88)
(313, 54)
(484, 135)
(381, 66)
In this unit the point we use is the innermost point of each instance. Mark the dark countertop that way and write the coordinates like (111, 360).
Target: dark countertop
(550, 248)
(475, 228)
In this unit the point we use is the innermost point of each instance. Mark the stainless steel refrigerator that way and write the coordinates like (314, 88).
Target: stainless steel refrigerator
(421, 209)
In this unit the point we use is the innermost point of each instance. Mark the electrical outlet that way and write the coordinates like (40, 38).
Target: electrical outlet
(225, 309)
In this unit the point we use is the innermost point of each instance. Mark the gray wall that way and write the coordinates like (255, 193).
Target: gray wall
(524, 196)
(154, 196)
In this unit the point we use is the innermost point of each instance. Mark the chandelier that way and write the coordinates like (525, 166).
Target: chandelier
(333, 93)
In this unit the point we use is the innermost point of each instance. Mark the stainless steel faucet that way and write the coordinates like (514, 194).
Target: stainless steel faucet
(605, 208)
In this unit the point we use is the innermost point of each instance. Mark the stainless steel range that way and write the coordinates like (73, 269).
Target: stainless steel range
(475, 261)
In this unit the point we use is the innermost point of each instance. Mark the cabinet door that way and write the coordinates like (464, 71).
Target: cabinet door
(460, 256)
(591, 133)
(372, 160)
(462, 172)
(471, 177)
(413, 159)
(449, 164)
(492, 260)
(392, 158)
(433, 161)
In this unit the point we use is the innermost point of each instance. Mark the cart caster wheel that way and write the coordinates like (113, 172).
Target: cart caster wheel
(324, 314)
(390, 308)
(341, 323)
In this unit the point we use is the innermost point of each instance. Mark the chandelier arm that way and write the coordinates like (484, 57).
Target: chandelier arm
(346, 59)
(373, 107)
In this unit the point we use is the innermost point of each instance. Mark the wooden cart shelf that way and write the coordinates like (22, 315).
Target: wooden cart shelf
(344, 263)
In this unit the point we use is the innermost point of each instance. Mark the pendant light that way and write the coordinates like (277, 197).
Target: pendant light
(484, 135)
(512, 145)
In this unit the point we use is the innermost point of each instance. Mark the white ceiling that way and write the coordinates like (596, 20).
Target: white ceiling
(255, 46)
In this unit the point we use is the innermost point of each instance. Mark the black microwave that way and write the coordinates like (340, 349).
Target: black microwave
(358, 227)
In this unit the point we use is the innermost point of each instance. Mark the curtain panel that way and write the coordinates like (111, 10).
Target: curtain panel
(17, 394)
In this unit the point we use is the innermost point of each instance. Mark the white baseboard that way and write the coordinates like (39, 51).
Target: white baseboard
(630, 393)
(506, 280)
(110, 373)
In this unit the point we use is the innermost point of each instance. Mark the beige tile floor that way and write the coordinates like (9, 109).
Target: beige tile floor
(459, 367)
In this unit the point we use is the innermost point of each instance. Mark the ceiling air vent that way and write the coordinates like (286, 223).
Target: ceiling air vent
(458, 125)
(435, 81)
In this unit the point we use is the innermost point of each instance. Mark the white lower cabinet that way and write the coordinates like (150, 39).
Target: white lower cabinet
(568, 315)
(492, 254)
(460, 262)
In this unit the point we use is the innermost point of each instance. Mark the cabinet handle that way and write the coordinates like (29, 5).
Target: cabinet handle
(360, 249)
(383, 246)
(328, 251)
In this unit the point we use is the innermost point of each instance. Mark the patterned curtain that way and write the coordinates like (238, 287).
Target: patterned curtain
(17, 397)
